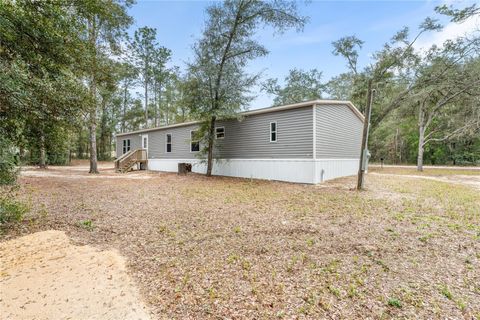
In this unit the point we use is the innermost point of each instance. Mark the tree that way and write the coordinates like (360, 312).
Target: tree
(299, 86)
(219, 80)
(160, 76)
(441, 102)
(105, 22)
(144, 51)
(128, 76)
(40, 86)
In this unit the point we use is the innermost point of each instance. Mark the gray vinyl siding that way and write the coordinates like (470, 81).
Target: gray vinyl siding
(338, 132)
(245, 139)
(135, 143)
(180, 143)
(250, 137)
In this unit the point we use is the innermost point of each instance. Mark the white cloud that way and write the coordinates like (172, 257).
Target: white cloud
(450, 32)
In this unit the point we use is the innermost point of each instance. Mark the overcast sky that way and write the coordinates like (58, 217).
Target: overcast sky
(179, 24)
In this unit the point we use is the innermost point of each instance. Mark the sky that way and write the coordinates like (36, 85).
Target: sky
(179, 24)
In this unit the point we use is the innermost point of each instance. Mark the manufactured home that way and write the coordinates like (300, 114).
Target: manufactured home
(307, 142)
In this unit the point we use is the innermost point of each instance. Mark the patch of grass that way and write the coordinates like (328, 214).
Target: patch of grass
(87, 225)
(394, 302)
(462, 305)
(246, 265)
(237, 230)
(212, 293)
(352, 291)
(335, 291)
(163, 229)
(446, 292)
(232, 258)
(310, 242)
(425, 238)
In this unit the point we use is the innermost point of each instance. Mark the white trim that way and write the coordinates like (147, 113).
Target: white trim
(166, 142)
(290, 170)
(263, 110)
(191, 141)
(129, 146)
(276, 131)
(141, 141)
(216, 137)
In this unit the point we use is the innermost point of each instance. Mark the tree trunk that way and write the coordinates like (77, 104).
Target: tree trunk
(421, 140)
(421, 136)
(155, 102)
(93, 93)
(93, 141)
(366, 125)
(124, 107)
(211, 131)
(43, 154)
(146, 103)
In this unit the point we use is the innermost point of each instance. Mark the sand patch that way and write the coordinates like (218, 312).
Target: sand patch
(44, 276)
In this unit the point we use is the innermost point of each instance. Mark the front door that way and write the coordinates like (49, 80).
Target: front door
(145, 142)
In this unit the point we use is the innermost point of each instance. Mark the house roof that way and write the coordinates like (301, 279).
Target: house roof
(263, 110)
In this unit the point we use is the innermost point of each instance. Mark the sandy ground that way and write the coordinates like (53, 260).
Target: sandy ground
(376, 165)
(43, 276)
(471, 181)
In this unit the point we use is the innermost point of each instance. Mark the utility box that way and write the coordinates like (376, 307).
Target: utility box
(184, 168)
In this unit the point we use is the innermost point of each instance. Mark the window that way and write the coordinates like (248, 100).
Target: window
(194, 142)
(168, 142)
(220, 132)
(145, 142)
(273, 132)
(126, 146)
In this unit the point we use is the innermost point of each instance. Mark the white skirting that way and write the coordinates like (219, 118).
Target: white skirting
(291, 170)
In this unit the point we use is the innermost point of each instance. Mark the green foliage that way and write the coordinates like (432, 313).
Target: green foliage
(445, 291)
(426, 103)
(87, 225)
(8, 162)
(299, 86)
(11, 210)
(393, 302)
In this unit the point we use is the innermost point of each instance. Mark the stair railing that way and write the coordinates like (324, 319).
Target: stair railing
(130, 158)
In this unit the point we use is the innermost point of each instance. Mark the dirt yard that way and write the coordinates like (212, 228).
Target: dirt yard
(214, 248)
(43, 276)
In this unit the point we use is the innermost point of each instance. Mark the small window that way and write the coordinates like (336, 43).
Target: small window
(220, 132)
(168, 142)
(194, 142)
(145, 143)
(273, 132)
(126, 146)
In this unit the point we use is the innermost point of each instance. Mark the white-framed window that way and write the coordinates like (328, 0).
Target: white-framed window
(125, 146)
(273, 131)
(194, 142)
(168, 142)
(220, 132)
(145, 142)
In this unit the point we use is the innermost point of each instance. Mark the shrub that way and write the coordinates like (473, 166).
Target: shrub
(11, 210)
(8, 162)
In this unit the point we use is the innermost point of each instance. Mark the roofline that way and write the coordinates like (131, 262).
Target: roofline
(261, 111)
